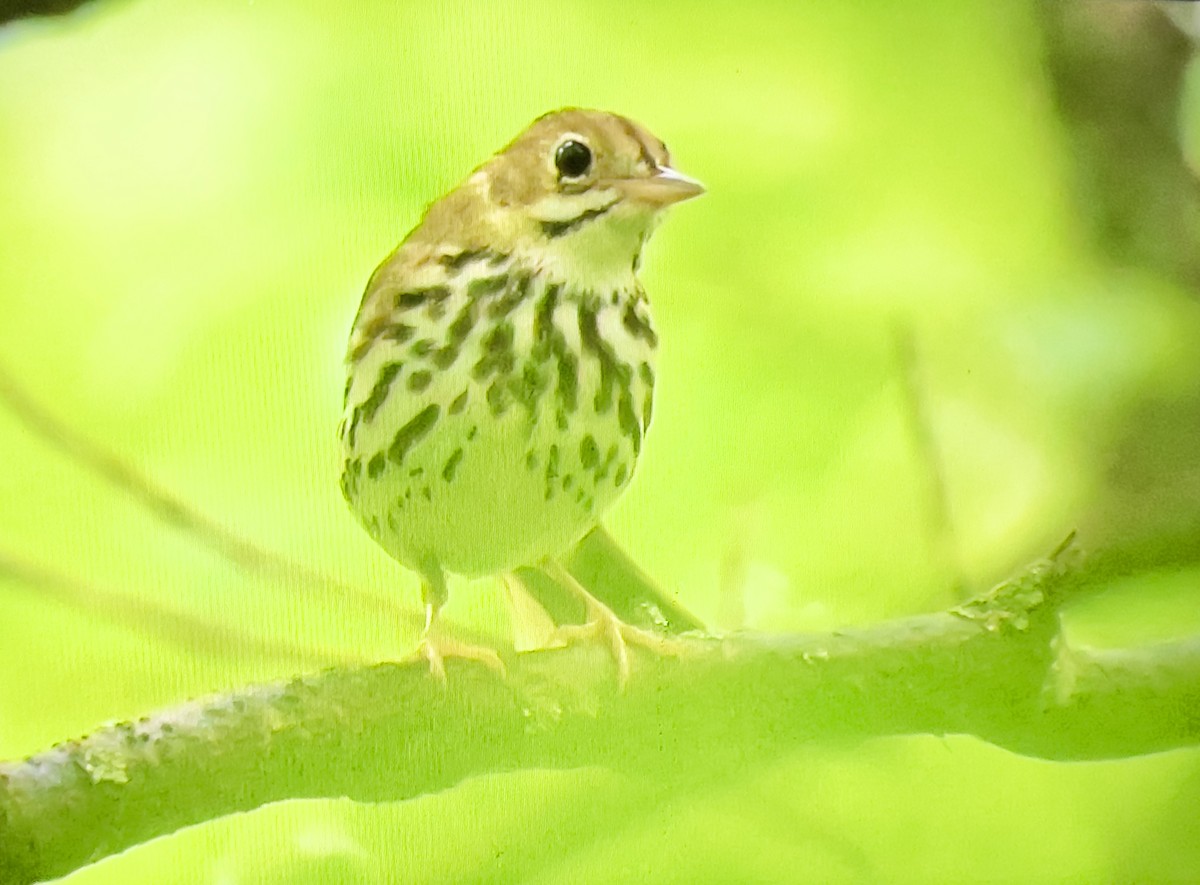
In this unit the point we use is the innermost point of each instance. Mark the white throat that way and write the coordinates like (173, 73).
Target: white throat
(599, 252)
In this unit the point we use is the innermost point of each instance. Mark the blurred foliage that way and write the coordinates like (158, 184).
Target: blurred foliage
(193, 194)
(1116, 71)
(17, 9)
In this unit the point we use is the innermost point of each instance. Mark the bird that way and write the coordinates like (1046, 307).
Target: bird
(500, 369)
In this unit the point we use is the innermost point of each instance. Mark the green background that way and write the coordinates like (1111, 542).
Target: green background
(192, 195)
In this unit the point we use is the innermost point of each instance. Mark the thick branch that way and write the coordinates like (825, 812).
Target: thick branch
(992, 668)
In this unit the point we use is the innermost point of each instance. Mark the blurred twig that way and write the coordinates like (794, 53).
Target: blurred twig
(174, 511)
(180, 628)
(920, 426)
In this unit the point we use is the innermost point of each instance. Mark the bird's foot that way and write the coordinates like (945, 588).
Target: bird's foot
(434, 651)
(603, 625)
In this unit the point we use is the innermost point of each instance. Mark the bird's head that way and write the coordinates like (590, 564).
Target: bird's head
(578, 192)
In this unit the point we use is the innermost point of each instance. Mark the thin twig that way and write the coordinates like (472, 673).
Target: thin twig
(178, 627)
(172, 510)
(920, 426)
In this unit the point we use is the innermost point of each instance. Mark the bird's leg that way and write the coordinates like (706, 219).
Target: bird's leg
(533, 625)
(434, 649)
(603, 624)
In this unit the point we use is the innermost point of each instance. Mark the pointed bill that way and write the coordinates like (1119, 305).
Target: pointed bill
(664, 187)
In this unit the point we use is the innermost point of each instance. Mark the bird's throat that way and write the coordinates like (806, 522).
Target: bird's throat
(597, 251)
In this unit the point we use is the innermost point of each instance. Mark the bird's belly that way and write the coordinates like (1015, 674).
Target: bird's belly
(505, 457)
(486, 495)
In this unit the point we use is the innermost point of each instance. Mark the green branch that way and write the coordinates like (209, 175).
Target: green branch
(995, 667)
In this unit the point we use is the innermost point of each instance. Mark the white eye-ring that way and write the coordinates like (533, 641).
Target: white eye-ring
(572, 157)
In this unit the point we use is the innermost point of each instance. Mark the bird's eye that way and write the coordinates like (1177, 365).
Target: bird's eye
(573, 159)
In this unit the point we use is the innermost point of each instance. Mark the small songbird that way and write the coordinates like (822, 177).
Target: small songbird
(501, 365)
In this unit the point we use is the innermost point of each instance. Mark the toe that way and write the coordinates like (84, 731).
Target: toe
(435, 651)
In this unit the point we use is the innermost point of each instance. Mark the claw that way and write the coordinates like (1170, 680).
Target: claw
(603, 624)
(435, 651)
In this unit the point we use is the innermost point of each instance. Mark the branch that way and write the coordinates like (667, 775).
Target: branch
(994, 667)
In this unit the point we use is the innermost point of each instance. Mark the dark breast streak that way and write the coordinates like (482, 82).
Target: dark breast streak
(478, 347)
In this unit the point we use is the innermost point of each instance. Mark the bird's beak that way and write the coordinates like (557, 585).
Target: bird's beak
(664, 187)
